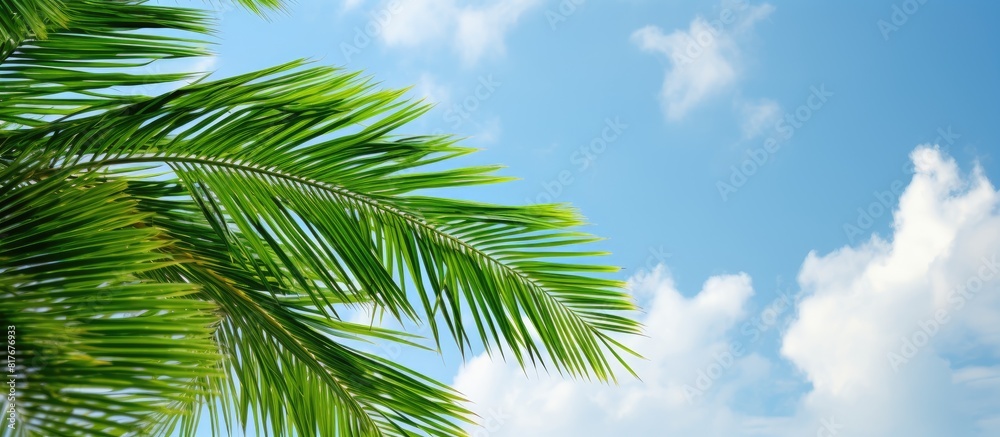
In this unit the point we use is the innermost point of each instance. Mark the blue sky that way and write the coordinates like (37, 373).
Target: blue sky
(739, 157)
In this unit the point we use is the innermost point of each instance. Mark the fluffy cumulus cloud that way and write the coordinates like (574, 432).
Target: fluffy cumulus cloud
(687, 336)
(705, 58)
(894, 336)
(474, 31)
(894, 332)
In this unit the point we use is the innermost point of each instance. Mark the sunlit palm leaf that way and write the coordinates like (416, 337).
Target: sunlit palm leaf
(99, 351)
(294, 196)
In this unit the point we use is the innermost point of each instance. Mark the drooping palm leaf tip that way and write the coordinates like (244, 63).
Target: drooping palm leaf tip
(165, 254)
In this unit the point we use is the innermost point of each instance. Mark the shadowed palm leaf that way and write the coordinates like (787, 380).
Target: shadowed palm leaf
(161, 253)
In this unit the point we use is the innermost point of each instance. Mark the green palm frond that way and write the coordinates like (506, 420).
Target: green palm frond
(249, 211)
(281, 342)
(20, 18)
(98, 350)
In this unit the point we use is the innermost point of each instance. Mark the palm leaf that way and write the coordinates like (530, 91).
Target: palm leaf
(287, 195)
(72, 251)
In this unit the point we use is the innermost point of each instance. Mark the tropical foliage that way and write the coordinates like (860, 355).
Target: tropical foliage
(165, 253)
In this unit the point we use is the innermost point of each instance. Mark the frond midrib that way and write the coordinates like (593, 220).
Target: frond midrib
(344, 192)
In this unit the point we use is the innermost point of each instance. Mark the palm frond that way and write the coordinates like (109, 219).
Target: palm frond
(265, 163)
(98, 350)
(20, 18)
(288, 194)
(278, 339)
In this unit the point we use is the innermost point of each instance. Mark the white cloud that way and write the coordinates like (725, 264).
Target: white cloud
(758, 116)
(481, 31)
(475, 32)
(858, 310)
(704, 60)
(685, 337)
(350, 5)
(418, 22)
(432, 91)
(864, 301)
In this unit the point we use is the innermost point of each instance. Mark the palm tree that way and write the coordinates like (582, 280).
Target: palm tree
(197, 249)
